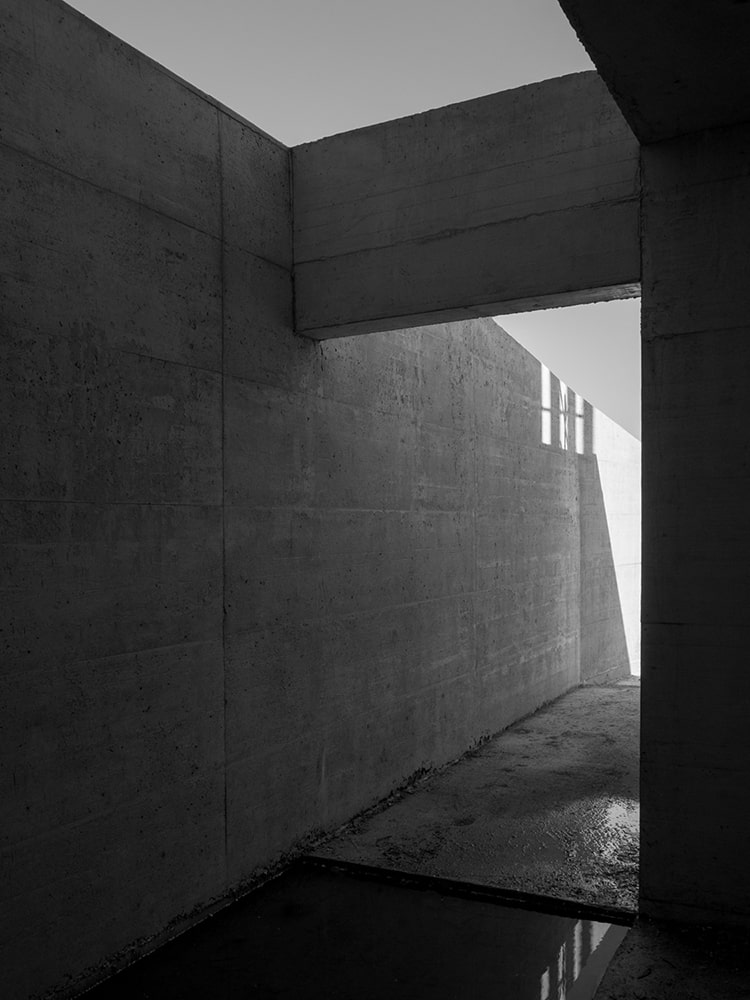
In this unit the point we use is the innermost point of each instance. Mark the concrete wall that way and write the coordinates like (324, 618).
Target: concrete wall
(398, 583)
(610, 499)
(252, 582)
(696, 739)
(140, 225)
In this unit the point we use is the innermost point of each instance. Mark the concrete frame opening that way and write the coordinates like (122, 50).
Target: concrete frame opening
(551, 805)
(598, 348)
(590, 360)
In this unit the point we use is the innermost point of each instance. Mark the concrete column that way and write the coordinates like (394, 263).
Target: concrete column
(696, 554)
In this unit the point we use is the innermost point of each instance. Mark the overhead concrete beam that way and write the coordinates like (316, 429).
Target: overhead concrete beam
(673, 66)
(523, 199)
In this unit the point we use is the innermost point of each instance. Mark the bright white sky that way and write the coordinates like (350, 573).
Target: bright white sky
(595, 349)
(302, 69)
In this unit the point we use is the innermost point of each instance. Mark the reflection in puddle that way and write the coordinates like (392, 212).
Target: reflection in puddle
(581, 962)
(320, 934)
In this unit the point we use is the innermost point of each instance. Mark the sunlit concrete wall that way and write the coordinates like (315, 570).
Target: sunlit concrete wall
(610, 499)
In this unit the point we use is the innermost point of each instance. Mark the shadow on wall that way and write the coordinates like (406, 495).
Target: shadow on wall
(609, 476)
(609, 481)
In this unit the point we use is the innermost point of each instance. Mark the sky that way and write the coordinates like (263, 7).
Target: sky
(595, 349)
(304, 69)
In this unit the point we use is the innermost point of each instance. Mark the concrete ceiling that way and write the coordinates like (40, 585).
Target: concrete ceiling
(673, 66)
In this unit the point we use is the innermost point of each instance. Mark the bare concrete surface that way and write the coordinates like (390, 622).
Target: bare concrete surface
(665, 88)
(549, 806)
(659, 961)
(312, 934)
(489, 190)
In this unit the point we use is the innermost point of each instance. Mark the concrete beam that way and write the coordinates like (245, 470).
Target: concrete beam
(523, 199)
(673, 68)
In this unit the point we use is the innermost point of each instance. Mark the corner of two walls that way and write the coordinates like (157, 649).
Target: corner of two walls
(131, 275)
(257, 581)
(398, 586)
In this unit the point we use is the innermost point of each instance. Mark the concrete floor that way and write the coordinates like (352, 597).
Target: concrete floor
(658, 961)
(316, 934)
(550, 806)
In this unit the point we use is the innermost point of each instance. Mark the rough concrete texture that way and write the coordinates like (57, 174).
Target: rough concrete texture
(317, 934)
(550, 806)
(669, 75)
(145, 226)
(610, 482)
(696, 741)
(479, 208)
(112, 180)
(397, 584)
(255, 582)
(667, 961)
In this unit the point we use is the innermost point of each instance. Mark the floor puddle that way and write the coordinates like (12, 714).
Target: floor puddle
(317, 934)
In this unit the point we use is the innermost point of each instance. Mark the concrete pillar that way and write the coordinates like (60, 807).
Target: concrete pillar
(696, 542)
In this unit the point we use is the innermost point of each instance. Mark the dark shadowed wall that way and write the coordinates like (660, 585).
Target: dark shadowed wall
(252, 582)
(696, 746)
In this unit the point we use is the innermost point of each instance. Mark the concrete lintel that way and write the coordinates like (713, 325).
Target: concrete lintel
(555, 301)
(523, 199)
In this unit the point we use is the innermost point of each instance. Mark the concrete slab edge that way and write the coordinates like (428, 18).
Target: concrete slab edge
(518, 899)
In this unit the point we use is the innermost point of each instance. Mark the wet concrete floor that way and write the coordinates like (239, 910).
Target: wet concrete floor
(549, 806)
(322, 934)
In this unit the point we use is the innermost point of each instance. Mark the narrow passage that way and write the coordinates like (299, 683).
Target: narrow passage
(550, 806)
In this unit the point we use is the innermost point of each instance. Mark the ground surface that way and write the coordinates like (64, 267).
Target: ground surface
(550, 806)
(324, 935)
(658, 961)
